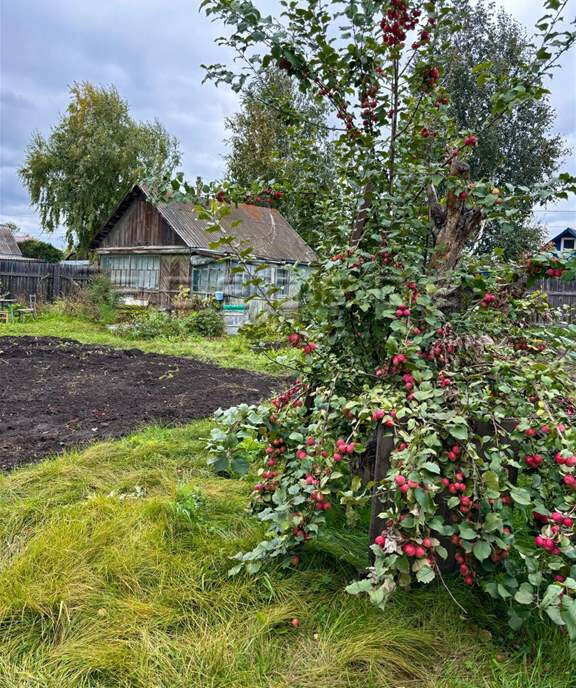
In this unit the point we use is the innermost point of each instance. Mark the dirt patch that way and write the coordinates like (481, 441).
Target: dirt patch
(57, 393)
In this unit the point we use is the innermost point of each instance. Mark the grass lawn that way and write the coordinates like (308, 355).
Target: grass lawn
(104, 583)
(231, 352)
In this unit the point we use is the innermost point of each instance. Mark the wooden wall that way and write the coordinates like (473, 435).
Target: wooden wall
(174, 273)
(141, 225)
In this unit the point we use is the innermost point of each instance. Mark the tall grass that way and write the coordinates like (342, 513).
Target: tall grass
(104, 583)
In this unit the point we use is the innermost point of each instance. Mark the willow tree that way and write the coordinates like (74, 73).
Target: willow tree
(406, 338)
(93, 155)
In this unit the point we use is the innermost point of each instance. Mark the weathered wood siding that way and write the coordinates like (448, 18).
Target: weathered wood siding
(141, 225)
(174, 273)
(47, 281)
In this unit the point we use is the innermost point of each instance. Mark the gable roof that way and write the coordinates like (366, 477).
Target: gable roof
(264, 230)
(565, 232)
(8, 245)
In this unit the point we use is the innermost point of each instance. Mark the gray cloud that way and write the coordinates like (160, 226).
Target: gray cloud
(151, 50)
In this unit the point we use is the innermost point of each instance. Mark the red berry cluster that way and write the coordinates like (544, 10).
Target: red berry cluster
(298, 341)
(287, 397)
(454, 453)
(402, 311)
(430, 78)
(443, 380)
(470, 140)
(534, 460)
(320, 503)
(397, 22)
(463, 561)
(488, 300)
(412, 549)
(569, 461)
(538, 270)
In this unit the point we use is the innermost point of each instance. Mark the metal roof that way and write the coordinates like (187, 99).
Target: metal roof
(8, 245)
(264, 230)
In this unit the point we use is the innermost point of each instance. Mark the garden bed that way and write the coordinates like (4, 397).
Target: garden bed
(57, 393)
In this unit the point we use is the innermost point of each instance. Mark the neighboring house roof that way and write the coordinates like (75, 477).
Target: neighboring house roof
(264, 230)
(565, 232)
(8, 245)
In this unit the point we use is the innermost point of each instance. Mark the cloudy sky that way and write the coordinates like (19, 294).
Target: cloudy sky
(151, 50)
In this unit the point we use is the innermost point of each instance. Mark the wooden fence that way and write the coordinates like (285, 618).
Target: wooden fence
(48, 281)
(561, 295)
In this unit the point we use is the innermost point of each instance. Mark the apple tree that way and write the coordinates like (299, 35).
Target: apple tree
(406, 341)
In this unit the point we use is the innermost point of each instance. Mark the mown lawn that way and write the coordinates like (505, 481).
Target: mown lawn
(104, 583)
(230, 352)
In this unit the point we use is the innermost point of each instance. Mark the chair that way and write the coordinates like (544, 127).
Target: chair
(23, 312)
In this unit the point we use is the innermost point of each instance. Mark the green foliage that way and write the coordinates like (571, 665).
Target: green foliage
(281, 138)
(519, 147)
(152, 323)
(209, 323)
(237, 439)
(96, 301)
(93, 155)
(190, 503)
(263, 330)
(33, 248)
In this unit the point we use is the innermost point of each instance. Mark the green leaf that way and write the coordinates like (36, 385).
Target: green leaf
(460, 432)
(525, 594)
(482, 550)
(425, 575)
(521, 496)
(467, 532)
(355, 588)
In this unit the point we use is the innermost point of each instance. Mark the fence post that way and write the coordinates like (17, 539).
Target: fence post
(56, 282)
(384, 447)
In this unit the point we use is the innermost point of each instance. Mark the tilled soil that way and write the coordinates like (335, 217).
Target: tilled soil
(58, 393)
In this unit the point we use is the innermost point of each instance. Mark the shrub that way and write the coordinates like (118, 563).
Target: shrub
(153, 323)
(41, 250)
(150, 324)
(209, 323)
(97, 301)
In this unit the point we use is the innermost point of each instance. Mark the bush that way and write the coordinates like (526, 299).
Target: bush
(97, 301)
(209, 323)
(41, 250)
(150, 324)
(153, 323)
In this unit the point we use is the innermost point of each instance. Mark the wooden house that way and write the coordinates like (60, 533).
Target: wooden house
(8, 246)
(152, 250)
(565, 241)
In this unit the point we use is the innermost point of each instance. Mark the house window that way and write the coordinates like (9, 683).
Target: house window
(283, 281)
(132, 271)
(568, 244)
(208, 278)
